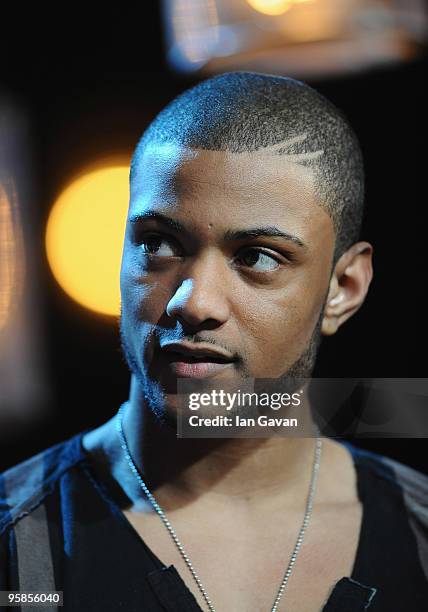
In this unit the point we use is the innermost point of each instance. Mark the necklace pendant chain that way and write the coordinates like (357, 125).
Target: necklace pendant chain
(184, 555)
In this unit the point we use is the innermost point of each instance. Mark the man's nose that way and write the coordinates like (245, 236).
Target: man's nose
(201, 297)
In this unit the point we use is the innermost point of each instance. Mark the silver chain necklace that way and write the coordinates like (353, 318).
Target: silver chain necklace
(161, 513)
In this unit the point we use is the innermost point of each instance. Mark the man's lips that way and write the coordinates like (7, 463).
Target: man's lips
(188, 360)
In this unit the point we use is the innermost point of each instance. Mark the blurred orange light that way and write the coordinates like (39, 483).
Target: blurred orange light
(84, 237)
(270, 7)
(307, 39)
(273, 7)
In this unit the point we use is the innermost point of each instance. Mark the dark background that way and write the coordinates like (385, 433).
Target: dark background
(94, 83)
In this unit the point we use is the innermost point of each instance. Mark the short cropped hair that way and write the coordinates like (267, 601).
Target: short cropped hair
(247, 111)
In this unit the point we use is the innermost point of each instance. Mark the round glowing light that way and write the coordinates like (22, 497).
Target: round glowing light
(271, 7)
(84, 237)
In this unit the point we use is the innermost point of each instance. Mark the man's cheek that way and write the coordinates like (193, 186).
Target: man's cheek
(280, 336)
(147, 301)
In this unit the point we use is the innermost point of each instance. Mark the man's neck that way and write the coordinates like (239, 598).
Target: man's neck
(248, 473)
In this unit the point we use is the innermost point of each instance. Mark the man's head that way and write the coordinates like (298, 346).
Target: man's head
(244, 112)
(246, 199)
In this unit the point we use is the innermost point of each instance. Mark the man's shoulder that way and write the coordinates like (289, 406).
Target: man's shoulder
(410, 483)
(414, 487)
(24, 486)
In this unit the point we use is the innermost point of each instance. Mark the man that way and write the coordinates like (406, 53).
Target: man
(241, 250)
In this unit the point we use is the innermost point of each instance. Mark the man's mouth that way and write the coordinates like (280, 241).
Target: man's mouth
(195, 360)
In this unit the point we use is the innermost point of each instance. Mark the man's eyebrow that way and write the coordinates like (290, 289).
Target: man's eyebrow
(258, 232)
(157, 216)
(244, 234)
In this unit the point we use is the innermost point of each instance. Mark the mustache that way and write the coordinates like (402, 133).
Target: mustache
(156, 334)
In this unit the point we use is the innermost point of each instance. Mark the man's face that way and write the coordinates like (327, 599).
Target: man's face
(223, 251)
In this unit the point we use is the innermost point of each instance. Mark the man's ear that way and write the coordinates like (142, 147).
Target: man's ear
(349, 284)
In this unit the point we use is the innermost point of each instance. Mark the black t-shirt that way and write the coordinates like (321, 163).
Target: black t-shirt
(62, 529)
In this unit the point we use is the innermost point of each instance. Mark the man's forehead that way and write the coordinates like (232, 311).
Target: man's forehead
(271, 169)
(230, 190)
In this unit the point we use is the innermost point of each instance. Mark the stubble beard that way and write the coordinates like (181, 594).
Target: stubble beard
(289, 381)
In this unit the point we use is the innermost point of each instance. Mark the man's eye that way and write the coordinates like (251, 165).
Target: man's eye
(258, 260)
(155, 244)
